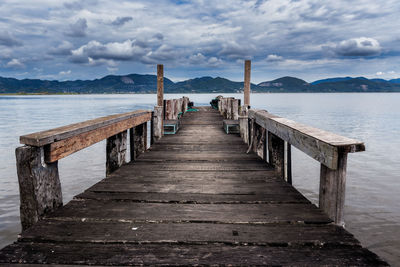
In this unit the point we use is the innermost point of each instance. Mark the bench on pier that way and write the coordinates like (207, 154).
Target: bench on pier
(171, 126)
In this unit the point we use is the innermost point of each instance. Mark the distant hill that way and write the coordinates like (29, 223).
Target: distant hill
(138, 83)
(395, 80)
(329, 80)
(285, 84)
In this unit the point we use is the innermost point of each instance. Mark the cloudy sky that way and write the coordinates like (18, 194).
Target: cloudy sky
(309, 39)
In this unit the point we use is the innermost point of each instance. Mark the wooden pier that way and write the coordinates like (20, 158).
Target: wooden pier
(197, 197)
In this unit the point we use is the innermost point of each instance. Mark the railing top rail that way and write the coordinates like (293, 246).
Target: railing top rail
(53, 135)
(319, 144)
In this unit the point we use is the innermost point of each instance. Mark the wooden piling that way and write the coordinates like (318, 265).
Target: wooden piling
(116, 151)
(332, 190)
(139, 144)
(243, 124)
(39, 185)
(247, 69)
(157, 123)
(276, 148)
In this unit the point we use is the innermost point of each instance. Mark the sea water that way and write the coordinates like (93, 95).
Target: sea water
(372, 211)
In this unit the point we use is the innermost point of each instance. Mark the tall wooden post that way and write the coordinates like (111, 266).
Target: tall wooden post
(160, 84)
(247, 69)
(160, 94)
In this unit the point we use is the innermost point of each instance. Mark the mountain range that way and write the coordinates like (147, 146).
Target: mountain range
(138, 83)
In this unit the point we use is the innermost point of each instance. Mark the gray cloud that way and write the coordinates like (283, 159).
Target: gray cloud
(15, 64)
(116, 51)
(77, 29)
(196, 35)
(6, 39)
(73, 5)
(358, 47)
(119, 21)
(63, 49)
(274, 58)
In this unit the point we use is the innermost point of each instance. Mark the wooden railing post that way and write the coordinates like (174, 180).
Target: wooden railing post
(288, 164)
(39, 185)
(244, 124)
(332, 190)
(116, 151)
(157, 123)
(139, 140)
(276, 148)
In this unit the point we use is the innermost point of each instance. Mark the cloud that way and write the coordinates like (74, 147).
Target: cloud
(164, 53)
(119, 21)
(73, 5)
(95, 51)
(358, 47)
(234, 50)
(63, 49)
(6, 39)
(200, 59)
(274, 58)
(78, 29)
(15, 64)
(63, 73)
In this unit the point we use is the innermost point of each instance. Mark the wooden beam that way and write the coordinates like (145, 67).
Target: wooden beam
(247, 70)
(64, 132)
(321, 145)
(160, 84)
(63, 148)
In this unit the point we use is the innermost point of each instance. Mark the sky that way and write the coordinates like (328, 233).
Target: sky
(308, 39)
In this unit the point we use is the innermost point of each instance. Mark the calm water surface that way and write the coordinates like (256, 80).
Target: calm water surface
(372, 193)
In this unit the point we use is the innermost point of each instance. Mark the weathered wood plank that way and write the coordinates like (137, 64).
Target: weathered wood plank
(189, 198)
(188, 233)
(201, 166)
(194, 187)
(185, 255)
(64, 132)
(60, 149)
(207, 213)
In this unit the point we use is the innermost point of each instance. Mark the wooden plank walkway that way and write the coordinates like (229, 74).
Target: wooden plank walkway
(195, 198)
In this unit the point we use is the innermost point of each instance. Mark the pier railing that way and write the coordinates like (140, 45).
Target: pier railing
(37, 160)
(271, 137)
